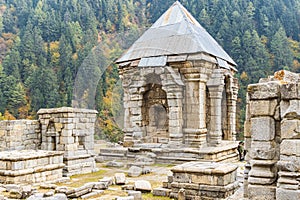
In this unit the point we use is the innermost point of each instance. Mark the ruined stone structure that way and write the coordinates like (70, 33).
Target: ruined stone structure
(272, 138)
(29, 166)
(179, 87)
(68, 132)
(201, 180)
(19, 135)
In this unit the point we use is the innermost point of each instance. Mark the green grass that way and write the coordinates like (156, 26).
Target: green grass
(164, 165)
(149, 196)
(81, 179)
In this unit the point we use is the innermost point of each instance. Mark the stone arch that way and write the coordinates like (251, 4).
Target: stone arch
(155, 110)
(52, 137)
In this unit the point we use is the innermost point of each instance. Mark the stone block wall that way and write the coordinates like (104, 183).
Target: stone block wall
(203, 180)
(66, 130)
(29, 166)
(19, 135)
(70, 130)
(272, 138)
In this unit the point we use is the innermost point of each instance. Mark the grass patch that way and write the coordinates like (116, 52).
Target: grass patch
(149, 196)
(81, 179)
(164, 165)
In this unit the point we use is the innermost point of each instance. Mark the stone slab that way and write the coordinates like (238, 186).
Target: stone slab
(283, 194)
(257, 192)
(263, 129)
(263, 91)
(263, 107)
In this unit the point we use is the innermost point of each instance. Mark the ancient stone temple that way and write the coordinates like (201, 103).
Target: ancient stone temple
(179, 86)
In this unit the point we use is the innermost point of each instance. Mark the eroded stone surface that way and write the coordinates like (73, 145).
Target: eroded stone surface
(30, 166)
(272, 137)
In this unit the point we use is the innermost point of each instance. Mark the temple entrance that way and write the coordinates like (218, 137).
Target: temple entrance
(155, 113)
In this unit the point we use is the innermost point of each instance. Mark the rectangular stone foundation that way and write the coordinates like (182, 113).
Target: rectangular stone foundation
(29, 166)
(208, 180)
(79, 165)
(225, 153)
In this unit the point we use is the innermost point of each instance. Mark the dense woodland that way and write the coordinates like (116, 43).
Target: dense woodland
(44, 44)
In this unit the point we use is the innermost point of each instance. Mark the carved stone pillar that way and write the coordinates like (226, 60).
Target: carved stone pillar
(202, 105)
(173, 85)
(232, 98)
(215, 87)
(195, 106)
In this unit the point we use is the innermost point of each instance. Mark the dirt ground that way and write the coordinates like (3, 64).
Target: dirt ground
(156, 177)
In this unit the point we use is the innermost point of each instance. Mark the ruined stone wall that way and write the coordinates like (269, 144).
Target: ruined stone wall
(30, 166)
(70, 130)
(19, 135)
(162, 87)
(272, 138)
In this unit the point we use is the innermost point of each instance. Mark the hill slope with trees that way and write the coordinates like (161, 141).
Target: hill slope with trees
(44, 43)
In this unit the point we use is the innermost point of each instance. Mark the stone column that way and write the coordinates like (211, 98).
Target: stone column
(202, 105)
(262, 127)
(132, 82)
(215, 87)
(173, 86)
(127, 130)
(233, 91)
(195, 110)
(128, 140)
(289, 164)
(174, 96)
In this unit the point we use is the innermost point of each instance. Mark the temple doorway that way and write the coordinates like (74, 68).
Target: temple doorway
(155, 114)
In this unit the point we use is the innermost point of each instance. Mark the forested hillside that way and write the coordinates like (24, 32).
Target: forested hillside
(44, 43)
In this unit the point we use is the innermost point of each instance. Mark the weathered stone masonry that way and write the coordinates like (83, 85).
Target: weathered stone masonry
(179, 85)
(70, 130)
(19, 135)
(179, 94)
(30, 166)
(272, 138)
(67, 131)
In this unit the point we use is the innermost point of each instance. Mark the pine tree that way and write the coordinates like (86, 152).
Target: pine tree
(280, 49)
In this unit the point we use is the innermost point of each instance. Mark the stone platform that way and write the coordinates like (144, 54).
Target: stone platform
(226, 152)
(208, 180)
(30, 166)
(79, 163)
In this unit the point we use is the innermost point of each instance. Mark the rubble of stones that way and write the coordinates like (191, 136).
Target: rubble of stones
(91, 189)
(88, 190)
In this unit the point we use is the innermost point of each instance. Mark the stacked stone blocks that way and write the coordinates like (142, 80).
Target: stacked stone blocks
(203, 180)
(70, 130)
(19, 135)
(272, 138)
(29, 166)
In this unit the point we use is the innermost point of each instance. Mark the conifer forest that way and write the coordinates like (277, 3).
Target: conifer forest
(44, 45)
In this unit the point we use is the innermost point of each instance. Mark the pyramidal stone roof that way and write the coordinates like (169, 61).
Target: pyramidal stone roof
(176, 32)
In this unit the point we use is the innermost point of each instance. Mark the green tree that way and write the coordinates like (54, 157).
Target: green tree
(281, 52)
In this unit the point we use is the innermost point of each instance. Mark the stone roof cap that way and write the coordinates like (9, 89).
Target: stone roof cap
(176, 32)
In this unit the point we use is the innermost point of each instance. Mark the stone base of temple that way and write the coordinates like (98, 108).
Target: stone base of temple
(163, 153)
(79, 163)
(30, 166)
(208, 180)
